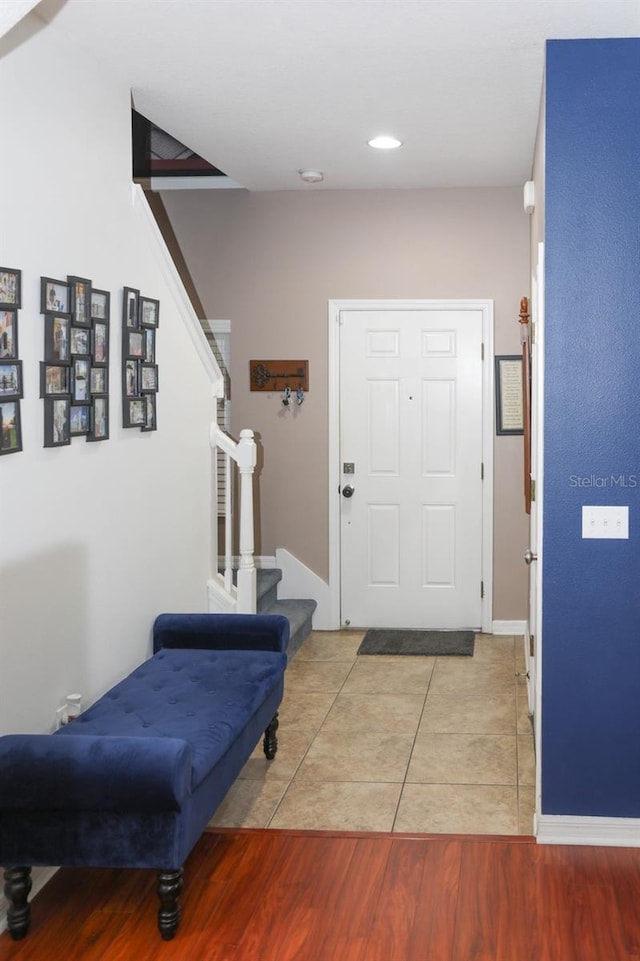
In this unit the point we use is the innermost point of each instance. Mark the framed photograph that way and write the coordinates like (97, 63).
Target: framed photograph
(81, 380)
(151, 422)
(10, 288)
(130, 379)
(55, 296)
(509, 395)
(100, 343)
(55, 380)
(8, 334)
(11, 379)
(100, 304)
(80, 289)
(99, 420)
(130, 299)
(10, 427)
(99, 380)
(149, 312)
(57, 339)
(80, 342)
(148, 378)
(79, 419)
(136, 343)
(57, 412)
(149, 346)
(135, 412)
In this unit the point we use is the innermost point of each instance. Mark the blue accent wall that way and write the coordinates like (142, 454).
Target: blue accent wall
(591, 588)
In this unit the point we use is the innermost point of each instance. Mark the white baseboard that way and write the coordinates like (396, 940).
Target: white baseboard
(39, 877)
(599, 832)
(298, 581)
(509, 627)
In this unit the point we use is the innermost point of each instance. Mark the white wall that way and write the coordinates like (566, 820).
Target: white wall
(95, 539)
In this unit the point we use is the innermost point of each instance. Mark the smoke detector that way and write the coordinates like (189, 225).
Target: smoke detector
(311, 176)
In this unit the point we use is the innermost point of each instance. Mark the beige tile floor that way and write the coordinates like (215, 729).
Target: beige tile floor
(407, 744)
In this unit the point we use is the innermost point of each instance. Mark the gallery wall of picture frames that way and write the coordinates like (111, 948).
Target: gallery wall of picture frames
(74, 374)
(11, 385)
(140, 318)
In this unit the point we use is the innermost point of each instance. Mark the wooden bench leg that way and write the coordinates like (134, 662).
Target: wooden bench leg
(169, 887)
(17, 886)
(270, 740)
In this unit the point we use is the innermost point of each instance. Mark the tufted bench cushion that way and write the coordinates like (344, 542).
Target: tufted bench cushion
(202, 697)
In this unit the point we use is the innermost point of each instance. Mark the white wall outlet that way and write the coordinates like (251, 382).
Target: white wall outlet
(605, 522)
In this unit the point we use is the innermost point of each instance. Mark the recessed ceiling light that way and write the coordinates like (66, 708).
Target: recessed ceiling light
(385, 143)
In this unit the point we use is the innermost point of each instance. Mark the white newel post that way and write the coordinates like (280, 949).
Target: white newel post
(247, 597)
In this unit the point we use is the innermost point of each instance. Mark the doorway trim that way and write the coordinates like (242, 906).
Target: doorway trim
(335, 307)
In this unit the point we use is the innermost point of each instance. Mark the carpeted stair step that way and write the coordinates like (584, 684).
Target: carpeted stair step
(267, 581)
(299, 614)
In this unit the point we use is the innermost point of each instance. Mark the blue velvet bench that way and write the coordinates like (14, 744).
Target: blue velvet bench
(135, 779)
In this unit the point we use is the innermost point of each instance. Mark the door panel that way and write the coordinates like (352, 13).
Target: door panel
(411, 424)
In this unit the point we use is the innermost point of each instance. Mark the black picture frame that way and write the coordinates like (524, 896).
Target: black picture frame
(99, 419)
(151, 418)
(8, 333)
(509, 395)
(10, 427)
(79, 419)
(130, 308)
(131, 378)
(55, 380)
(98, 380)
(11, 380)
(149, 311)
(55, 296)
(149, 354)
(134, 412)
(148, 378)
(80, 341)
(135, 347)
(10, 288)
(57, 340)
(80, 300)
(57, 429)
(100, 343)
(81, 380)
(100, 304)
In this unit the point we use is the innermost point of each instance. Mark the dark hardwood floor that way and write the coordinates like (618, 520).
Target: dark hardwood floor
(265, 895)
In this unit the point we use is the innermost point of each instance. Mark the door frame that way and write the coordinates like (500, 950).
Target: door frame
(538, 316)
(335, 308)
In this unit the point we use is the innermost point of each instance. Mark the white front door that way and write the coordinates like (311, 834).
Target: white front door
(411, 422)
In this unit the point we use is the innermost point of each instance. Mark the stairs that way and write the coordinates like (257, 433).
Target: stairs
(298, 612)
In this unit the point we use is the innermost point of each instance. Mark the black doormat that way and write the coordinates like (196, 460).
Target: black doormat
(433, 643)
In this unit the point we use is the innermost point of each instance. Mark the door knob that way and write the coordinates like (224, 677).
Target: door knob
(347, 490)
(529, 556)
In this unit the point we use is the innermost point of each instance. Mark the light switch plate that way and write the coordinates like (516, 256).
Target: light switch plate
(605, 522)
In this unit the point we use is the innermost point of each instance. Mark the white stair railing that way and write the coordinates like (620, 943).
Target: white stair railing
(238, 459)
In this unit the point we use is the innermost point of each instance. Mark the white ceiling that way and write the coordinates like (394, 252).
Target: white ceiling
(262, 88)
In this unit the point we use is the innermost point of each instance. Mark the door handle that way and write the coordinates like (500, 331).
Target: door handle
(348, 490)
(529, 556)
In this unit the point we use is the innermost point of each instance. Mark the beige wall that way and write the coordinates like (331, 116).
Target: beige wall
(270, 262)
